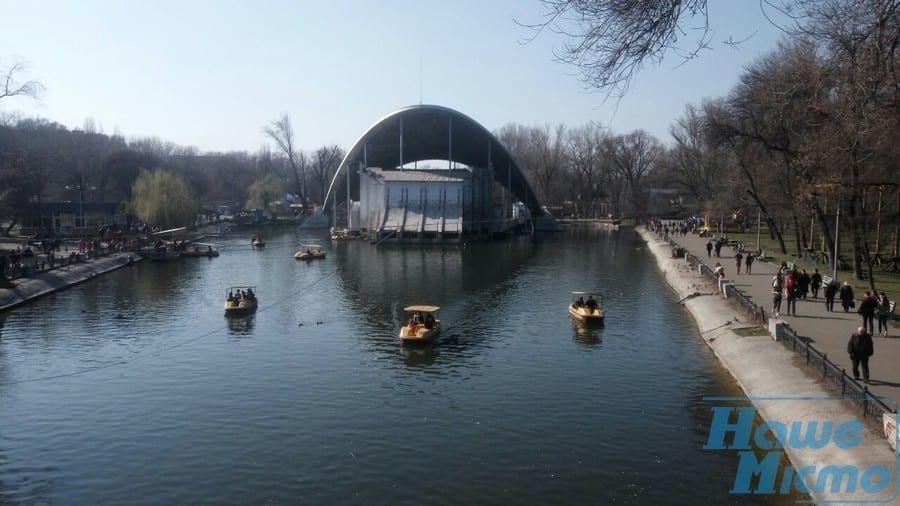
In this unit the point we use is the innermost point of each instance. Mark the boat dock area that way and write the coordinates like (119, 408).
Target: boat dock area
(38, 283)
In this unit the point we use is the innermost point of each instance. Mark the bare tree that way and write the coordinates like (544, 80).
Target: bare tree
(282, 133)
(589, 165)
(325, 161)
(549, 150)
(609, 41)
(11, 86)
(698, 164)
(633, 157)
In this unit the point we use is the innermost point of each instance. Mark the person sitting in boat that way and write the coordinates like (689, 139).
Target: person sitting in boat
(230, 295)
(591, 303)
(429, 321)
(250, 294)
(579, 302)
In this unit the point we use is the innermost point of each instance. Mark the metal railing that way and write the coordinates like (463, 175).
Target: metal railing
(851, 390)
(871, 406)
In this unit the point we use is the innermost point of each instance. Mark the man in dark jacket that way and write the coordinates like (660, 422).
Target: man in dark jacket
(867, 307)
(860, 347)
(830, 291)
(846, 296)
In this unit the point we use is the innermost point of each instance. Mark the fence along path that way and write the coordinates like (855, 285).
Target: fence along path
(825, 332)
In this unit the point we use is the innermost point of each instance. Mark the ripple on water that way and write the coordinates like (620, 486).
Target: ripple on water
(313, 400)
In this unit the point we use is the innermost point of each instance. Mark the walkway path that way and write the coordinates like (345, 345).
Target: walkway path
(827, 331)
(45, 282)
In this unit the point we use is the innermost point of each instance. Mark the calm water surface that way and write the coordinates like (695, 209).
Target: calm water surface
(134, 389)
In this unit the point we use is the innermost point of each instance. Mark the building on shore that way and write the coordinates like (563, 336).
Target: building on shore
(429, 173)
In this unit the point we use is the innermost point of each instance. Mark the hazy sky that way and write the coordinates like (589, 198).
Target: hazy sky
(212, 74)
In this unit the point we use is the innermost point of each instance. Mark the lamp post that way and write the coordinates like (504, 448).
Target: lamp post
(81, 187)
(758, 228)
(837, 223)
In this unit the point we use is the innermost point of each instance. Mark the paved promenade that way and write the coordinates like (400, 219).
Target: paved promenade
(45, 282)
(828, 332)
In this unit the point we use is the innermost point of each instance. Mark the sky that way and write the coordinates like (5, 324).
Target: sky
(213, 74)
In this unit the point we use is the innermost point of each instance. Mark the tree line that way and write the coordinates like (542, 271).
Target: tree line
(807, 139)
(155, 181)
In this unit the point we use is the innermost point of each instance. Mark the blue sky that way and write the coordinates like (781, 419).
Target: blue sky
(212, 74)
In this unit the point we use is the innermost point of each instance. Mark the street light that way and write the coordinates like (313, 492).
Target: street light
(837, 223)
(81, 187)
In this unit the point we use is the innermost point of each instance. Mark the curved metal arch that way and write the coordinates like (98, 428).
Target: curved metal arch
(432, 132)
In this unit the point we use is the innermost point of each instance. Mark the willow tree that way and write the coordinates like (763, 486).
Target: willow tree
(163, 200)
(264, 192)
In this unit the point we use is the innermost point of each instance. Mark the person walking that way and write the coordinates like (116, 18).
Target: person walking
(867, 308)
(737, 258)
(846, 295)
(883, 312)
(815, 282)
(748, 262)
(803, 282)
(860, 348)
(777, 283)
(718, 247)
(831, 290)
(709, 248)
(791, 291)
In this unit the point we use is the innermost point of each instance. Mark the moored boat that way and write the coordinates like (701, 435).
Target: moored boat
(241, 300)
(199, 249)
(585, 311)
(423, 326)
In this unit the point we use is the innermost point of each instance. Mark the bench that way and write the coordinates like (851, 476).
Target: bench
(790, 266)
(826, 280)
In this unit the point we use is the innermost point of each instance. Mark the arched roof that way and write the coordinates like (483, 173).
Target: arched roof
(433, 132)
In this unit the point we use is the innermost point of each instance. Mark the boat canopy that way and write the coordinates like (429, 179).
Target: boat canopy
(584, 293)
(171, 231)
(422, 309)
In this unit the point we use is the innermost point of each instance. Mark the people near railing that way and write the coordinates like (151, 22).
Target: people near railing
(860, 347)
(791, 291)
(777, 286)
(719, 271)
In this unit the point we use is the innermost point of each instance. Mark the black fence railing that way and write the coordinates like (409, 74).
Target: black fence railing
(26, 265)
(871, 406)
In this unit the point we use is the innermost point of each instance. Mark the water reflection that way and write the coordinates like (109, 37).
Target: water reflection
(240, 326)
(419, 356)
(587, 334)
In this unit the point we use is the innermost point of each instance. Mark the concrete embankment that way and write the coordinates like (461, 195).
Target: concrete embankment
(785, 396)
(46, 282)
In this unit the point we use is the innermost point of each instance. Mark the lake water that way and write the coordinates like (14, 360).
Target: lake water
(135, 389)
